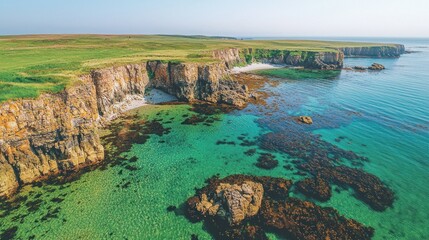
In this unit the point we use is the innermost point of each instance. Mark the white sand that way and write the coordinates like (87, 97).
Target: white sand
(130, 102)
(256, 66)
(153, 96)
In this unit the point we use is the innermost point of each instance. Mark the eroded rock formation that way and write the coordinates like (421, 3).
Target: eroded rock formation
(232, 202)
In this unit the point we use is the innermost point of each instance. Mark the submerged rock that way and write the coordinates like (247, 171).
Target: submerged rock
(305, 220)
(359, 68)
(305, 119)
(267, 161)
(320, 158)
(316, 187)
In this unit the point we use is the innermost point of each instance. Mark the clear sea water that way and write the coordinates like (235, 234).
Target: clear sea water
(383, 116)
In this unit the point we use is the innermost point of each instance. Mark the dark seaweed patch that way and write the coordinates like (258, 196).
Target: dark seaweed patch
(133, 159)
(194, 120)
(267, 161)
(225, 142)
(171, 208)
(57, 200)
(34, 205)
(51, 214)
(9, 233)
(250, 152)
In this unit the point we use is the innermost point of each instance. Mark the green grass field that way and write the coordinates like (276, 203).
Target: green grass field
(32, 64)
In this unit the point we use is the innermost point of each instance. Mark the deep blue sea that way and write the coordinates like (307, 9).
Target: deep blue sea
(383, 116)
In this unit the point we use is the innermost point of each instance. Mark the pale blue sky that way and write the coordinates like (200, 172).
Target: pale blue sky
(393, 18)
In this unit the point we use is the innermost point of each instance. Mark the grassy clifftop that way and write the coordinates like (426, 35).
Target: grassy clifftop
(33, 64)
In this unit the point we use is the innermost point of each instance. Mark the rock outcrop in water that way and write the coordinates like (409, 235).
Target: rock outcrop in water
(57, 133)
(232, 202)
(376, 66)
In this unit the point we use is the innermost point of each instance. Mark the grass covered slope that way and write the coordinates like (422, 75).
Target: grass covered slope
(30, 65)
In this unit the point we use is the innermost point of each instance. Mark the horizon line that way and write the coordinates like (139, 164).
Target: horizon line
(202, 35)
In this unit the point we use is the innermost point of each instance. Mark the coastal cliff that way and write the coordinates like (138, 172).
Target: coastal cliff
(58, 133)
(374, 51)
(307, 59)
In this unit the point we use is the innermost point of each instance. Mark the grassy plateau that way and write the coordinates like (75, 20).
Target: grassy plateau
(32, 64)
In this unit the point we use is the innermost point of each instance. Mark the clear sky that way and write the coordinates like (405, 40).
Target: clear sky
(267, 18)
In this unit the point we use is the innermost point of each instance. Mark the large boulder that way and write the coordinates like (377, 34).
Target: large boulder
(232, 202)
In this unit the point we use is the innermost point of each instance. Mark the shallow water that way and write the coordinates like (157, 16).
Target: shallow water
(383, 116)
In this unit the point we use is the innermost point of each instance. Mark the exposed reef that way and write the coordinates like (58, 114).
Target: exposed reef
(317, 188)
(262, 204)
(320, 159)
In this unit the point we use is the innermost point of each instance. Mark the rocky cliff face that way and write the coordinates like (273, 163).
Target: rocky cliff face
(190, 82)
(308, 59)
(49, 135)
(375, 51)
(231, 57)
(57, 133)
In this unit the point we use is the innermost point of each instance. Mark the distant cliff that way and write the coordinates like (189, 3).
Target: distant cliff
(309, 59)
(374, 51)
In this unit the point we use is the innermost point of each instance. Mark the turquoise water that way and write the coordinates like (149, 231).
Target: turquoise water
(383, 116)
